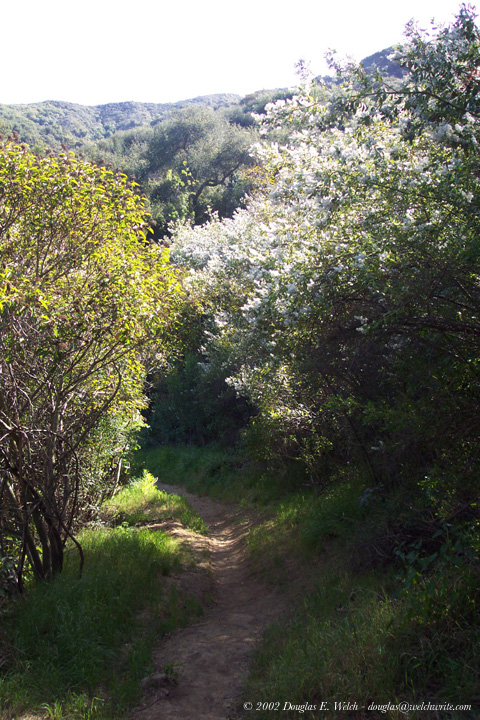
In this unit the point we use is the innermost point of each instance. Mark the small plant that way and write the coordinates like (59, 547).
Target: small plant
(171, 671)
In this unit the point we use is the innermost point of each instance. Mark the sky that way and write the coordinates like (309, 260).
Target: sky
(101, 51)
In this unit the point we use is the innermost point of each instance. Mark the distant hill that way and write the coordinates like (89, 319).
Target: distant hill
(380, 61)
(54, 123)
(391, 71)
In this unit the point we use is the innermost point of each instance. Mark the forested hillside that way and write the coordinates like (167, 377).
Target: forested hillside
(190, 158)
(296, 327)
(52, 124)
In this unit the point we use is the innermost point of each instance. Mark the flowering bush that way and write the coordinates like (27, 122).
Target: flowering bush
(346, 293)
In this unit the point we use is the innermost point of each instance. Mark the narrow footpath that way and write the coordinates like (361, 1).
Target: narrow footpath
(211, 657)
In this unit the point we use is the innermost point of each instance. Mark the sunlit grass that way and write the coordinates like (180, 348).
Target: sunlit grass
(82, 644)
(141, 502)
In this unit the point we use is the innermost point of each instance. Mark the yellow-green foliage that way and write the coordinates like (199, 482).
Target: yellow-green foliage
(142, 502)
(85, 302)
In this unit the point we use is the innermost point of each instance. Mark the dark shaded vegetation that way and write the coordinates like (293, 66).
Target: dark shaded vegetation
(383, 598)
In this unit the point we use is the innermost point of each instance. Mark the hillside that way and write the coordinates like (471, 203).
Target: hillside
(53, 123)
(381, 61)
(390, 70)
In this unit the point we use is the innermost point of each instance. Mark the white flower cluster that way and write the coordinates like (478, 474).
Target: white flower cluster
(358, 206)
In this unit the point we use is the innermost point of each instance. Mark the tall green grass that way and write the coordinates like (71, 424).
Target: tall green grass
(369, 624)
(337, 648)
(142, 502)
(82, 644)
(354, 640)
(220, 472)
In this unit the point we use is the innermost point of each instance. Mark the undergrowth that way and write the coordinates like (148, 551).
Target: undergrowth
(384, 600)
(79, 646)
(384, 596)
(221, 473)
(384, 612)
(142, 502)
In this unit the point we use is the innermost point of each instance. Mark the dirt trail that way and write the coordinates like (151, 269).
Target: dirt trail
(211, 656)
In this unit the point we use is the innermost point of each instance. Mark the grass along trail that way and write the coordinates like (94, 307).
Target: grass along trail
(210, 658)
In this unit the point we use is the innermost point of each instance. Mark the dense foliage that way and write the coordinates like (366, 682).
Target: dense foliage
(190, 158)
(344, 299)
(83, 296)
(195, 163)
(192, 163)
(329, 319)
(342, 305)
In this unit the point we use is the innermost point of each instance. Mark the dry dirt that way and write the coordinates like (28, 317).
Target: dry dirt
(211, 657)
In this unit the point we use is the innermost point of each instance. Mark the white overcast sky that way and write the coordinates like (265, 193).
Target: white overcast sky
(99, 51)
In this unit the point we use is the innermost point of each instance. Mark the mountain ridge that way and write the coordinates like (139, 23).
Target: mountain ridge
(57, 123)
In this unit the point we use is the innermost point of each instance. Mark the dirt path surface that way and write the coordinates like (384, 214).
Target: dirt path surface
(211, 656)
